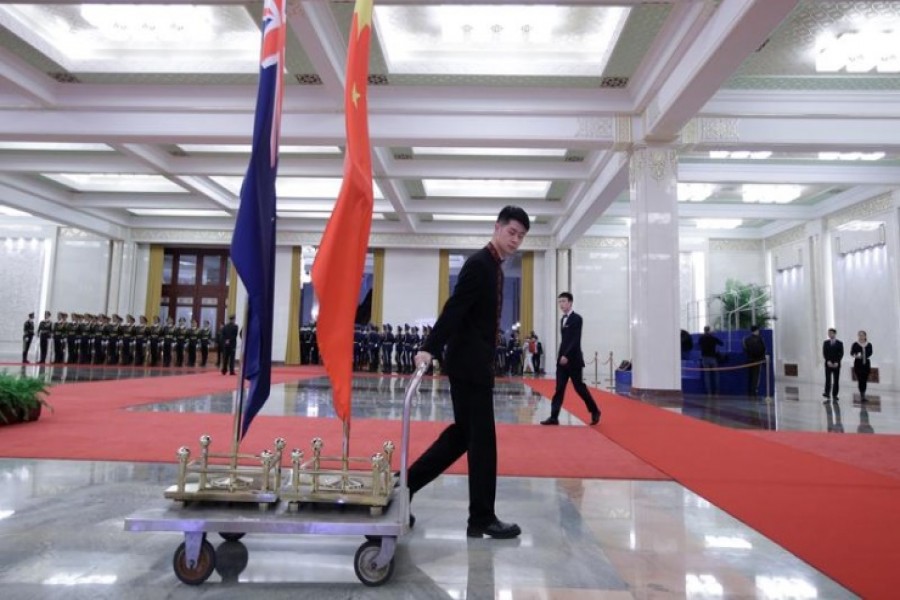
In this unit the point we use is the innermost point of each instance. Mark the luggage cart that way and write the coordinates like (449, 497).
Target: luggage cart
(195, 558)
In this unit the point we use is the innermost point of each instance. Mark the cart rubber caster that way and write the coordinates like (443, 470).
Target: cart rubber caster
(230, 536)
(364, 565)
(198, 571)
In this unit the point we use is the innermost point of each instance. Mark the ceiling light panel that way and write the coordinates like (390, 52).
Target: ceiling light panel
(245, 149)
(435, 151)
(718, 223)
(485, 188)
(295, 187)
(173, 212)
(54, 147)
(111, 182)
(442, 217)
(144, 38)
(499, 39)
(6, 211)
(764, 193)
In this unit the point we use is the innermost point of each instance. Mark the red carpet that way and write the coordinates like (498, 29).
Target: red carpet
(839, 518)
(89, 423)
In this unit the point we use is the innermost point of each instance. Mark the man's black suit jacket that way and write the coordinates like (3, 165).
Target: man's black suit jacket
(468, 322)
(833, 352)
(570, 345)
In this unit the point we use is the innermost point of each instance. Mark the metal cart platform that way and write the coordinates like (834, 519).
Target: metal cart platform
(194, 559)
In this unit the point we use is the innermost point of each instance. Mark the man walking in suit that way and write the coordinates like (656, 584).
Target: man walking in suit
(468, 326)
(570, 363)
(833, 353)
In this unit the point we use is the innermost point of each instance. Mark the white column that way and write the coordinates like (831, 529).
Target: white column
(654, 269)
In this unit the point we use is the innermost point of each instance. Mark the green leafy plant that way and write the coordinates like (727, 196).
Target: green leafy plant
(746, 301)
(21, 397)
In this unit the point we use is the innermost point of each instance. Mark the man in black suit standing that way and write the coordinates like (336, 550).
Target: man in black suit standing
(833, 353)
(570, 363)
(468, 325)
(229, 345)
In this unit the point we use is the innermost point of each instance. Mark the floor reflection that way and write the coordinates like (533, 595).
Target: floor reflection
(53, 374)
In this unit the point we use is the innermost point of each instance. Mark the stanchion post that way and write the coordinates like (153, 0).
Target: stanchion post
(596, 368)
(612, 376)
(768, 381)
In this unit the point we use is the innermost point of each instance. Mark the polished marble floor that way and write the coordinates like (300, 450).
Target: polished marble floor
(62, 522)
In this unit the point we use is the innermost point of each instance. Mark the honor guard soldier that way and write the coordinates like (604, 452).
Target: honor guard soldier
(414, 342)
(193, 337)
(84, 339)
(180, 341)
(72, 339)
(373, 347)
(204, 336)
(27, 336)
(156, 338)
(114, 336)
(313, 345)
(99, 338)
(140, 341)
(45, 330)
(219, 345)
(60, 331)
(128, 340)
(359, 341)
(229, 345)
(387, 349)
(168, 338)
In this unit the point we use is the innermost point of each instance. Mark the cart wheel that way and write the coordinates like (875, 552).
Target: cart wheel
(364, 565)
(229, 536)
(196, 573)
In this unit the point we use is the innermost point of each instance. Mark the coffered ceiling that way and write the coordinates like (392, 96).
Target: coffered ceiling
(126, 118)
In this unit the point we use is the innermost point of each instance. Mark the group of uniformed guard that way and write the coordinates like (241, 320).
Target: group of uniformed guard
(380, 348)
(111, 340)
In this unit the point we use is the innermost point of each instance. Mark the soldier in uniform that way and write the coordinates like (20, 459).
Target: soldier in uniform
(27, 336)
(45, 330)
(156, 338)
(359, 338)
(140, 341)
(113, 330)
(373, 347)
(205, 336)
(313, 345)
(84, 339)
(127, 340)
(168, 338)
(72, 339)
(220, 343)
(193, 336)
(180, 340)
(99, 336)
(229, 345)
(60, 331)
(387, 349)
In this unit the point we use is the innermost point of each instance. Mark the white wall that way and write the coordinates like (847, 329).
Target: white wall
(22, 265)
(865, 297)
(282, 309)
(81, 274)
(410, 285)
(600, 286)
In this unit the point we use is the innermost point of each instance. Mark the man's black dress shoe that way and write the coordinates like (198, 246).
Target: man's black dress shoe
(825, 395)
(550, 421)
(498, 529)
(595, 418)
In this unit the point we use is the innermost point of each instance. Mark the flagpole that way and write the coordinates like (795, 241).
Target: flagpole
(345, 459)
(239, 398)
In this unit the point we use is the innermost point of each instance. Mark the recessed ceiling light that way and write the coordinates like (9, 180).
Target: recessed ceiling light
(295, 187)
(12, 212)
(438, 151)
(176, 212)
(499, 39)
(485, 188)
(695, 192)
(719, 223)
(320, 215)
(54, 146)
(139, 38)
(115, 182)
(766, 193)
(861, 225)
(245, 149)
(442, 217)
(851, 156)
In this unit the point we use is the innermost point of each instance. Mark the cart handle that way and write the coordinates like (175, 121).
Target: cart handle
(411, 389)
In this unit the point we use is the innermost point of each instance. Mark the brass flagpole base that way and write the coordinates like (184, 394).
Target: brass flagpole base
(228, 477)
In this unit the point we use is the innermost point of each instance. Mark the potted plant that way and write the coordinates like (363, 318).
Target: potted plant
(21, 398)
(745, 304)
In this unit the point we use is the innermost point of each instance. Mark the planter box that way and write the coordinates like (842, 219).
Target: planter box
(11, 417)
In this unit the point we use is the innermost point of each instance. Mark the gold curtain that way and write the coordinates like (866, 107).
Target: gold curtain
(443, 280)
(526, 301)
(292, 352)
(231, 309)
(154, 281)
(377, 286)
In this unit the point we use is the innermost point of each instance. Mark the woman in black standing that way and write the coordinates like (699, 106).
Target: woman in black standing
(861, 351)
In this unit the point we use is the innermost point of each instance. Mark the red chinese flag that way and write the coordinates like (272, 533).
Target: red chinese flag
(338, 268)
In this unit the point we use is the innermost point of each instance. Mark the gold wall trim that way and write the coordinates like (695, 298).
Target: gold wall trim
(154, 281)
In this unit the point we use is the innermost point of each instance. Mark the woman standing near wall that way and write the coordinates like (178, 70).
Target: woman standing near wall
(861, 351)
